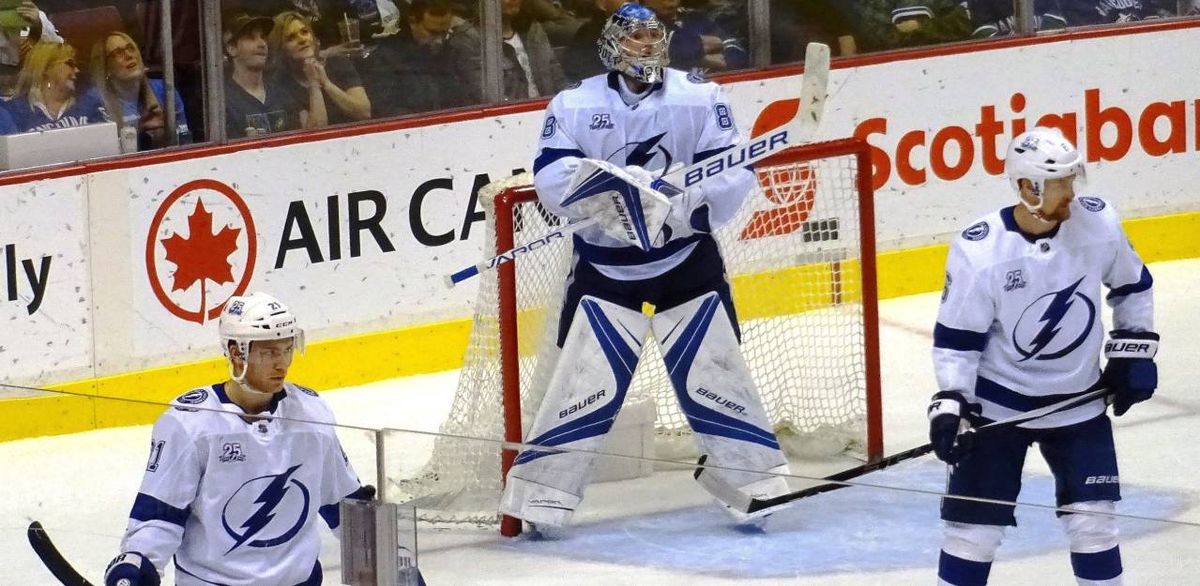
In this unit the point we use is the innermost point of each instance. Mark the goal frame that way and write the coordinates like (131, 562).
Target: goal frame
(510, 375)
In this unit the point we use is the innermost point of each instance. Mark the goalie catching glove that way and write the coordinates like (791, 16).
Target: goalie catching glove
(621, 201)
(1130, 372)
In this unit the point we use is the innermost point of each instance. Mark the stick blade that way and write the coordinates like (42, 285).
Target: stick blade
(814, 89)
(39, 540)
(721, 490)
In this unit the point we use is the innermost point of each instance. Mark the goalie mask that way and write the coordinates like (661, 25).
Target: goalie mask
(634, 42)
(1041, 154)
(257, 317)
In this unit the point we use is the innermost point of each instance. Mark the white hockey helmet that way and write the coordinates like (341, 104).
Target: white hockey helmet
(617, 41)
(257, 317)
(1040, 154)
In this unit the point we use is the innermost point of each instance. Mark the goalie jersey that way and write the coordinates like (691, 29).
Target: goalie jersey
(1019, 325)
(683, 120)
(236, 501)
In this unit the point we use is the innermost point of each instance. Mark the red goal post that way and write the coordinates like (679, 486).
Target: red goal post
(789, 183)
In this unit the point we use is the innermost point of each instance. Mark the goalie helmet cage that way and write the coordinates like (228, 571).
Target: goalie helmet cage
(801, 258)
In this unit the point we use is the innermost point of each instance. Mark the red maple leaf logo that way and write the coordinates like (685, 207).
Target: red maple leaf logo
(203, 254)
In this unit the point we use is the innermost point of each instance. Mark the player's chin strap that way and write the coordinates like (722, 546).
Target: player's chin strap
(240, 379)
(736, 499)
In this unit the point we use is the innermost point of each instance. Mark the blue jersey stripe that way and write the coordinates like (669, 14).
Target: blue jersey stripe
(1144, 283)
(148, 508)
(956, 339)
(550, 155)
(1010, 399)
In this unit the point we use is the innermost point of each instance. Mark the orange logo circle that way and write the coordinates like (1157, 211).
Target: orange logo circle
(203, 254)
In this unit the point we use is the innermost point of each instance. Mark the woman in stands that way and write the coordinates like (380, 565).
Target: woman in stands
(46, 95)
(129, 97)
(331, 87)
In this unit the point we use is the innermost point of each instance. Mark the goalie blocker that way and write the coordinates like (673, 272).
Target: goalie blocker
(601, 342)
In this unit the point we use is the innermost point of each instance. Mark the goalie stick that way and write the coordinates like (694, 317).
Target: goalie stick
(740, 501)
(54, 561)
(813, 94)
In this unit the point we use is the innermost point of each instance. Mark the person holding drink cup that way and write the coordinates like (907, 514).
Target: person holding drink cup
(329, 91)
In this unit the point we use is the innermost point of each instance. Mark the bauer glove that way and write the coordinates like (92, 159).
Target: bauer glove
(949, 414)
(131, 569)
(1130, 372)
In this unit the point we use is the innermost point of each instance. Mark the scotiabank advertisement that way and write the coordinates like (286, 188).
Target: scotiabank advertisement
(357, 232)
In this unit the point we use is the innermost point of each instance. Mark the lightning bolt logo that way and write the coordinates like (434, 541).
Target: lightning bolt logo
(268, 501)
(1051, 320)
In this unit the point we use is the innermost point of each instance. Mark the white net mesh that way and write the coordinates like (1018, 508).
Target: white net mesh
(792, 254)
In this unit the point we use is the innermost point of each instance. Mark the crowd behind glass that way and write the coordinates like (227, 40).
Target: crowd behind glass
(303, 64)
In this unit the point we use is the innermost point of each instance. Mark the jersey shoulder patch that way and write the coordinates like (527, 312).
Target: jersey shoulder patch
(307, 391)
(976, 232)
(573, 85)
(192, 397)
(696, 77)
(1092, 204)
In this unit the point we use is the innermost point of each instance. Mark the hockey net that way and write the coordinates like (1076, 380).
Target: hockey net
(800, 256)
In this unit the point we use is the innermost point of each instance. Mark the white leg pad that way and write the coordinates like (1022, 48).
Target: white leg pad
(716, 393)
(586, 390)
(972, 542)
(537, 503)
(1094, 532)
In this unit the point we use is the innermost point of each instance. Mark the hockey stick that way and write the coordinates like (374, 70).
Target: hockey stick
(740, 501)
(813, 94)
(54, 561)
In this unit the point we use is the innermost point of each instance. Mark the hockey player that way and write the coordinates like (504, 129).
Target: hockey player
(232, 494)
(1019, 328)
(602, 143)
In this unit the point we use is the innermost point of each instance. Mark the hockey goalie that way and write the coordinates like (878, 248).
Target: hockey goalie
(603, 144)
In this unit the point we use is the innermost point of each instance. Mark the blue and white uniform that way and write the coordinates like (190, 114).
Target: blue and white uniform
(1019, 325)
(1020, 328)
(236, 502)
(682, 119)
(679, 120)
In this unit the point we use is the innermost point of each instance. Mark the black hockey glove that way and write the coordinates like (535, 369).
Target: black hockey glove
(131, 569)
(1130, 372)
(949, 415)
(365, 492)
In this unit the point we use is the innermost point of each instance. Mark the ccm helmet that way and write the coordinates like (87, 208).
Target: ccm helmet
(1040, 154)
(257, 317)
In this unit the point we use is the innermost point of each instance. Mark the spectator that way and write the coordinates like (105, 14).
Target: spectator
(994, 18)
(130, 97)
(697, 42)
(530, 67)
(795, 23)
(254, 104)
(332, 86)
(412, 71)
(323, 17)
(928, 22)
(581, 58)
(1087, 12)
(15, 43)
(46, 95)
(7, 126)
(558, 23)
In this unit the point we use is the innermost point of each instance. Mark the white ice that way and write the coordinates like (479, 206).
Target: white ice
(663, 529)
